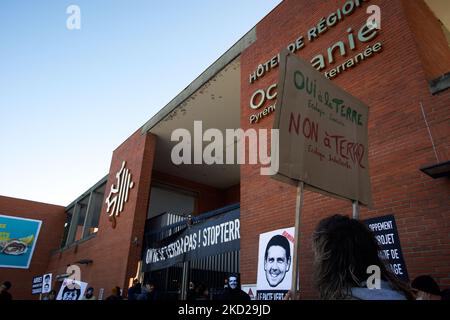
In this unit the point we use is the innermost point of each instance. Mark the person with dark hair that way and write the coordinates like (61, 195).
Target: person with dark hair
(277, 259)
(135, 290)
(4, 291)
(116, 295)
(234, 292)
(152, 292)
(344, 248)
(89, 294)
(426, 288)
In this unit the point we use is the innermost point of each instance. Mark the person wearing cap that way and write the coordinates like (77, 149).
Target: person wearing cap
(425, 288)
(4, 291)
(89, 295)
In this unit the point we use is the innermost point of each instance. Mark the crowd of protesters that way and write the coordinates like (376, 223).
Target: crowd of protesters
(343, 250)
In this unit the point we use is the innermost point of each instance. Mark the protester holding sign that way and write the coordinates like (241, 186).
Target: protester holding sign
(344, 248)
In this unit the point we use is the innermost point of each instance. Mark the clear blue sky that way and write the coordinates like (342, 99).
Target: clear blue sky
(69, 98)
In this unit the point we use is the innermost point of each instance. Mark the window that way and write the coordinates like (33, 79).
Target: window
(83, 215)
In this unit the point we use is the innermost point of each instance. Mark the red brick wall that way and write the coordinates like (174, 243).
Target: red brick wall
(53, 219)
(232, 195)
(114, 256)
(392, 83)
(429, 37)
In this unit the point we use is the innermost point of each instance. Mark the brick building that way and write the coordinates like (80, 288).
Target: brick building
(403, 82)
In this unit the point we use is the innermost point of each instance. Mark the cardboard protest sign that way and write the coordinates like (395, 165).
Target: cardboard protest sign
(323, 139)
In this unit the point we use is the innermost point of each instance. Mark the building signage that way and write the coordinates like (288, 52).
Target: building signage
(18, 237)
(36, 286)
(349, 42)
(386, 233)
(209, 238)
(323, 133)
(118, 194)
(274, 276)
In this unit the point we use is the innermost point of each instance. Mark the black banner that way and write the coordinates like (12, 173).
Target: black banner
(36, 286)
(211, 237)
(386, 233)
(270, 294)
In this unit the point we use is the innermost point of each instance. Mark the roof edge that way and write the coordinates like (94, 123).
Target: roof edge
(243, 43)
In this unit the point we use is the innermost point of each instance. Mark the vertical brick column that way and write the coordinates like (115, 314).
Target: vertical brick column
(125, 240)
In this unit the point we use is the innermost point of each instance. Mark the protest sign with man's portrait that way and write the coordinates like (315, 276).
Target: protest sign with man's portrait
(71, 290)
(275, 264)
(47, 284)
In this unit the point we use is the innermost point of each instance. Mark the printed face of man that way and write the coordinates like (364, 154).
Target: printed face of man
(276, 265)
(232, 282)
(70, 295)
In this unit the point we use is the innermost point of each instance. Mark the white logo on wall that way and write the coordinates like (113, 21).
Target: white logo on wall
(118, 195)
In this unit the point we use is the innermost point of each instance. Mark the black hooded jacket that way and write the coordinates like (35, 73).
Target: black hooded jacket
(234, 294)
